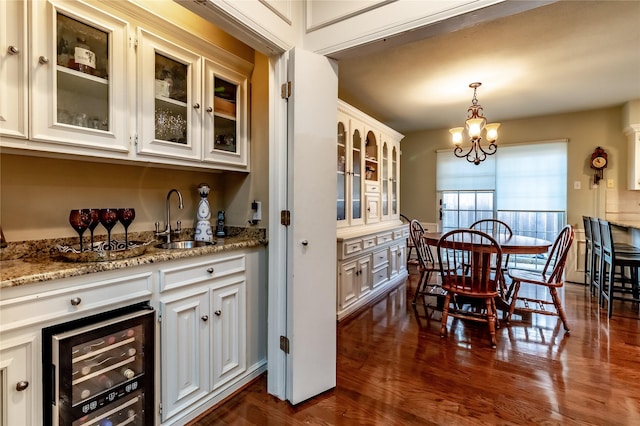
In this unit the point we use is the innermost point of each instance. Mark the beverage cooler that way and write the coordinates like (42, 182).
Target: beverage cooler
(99, 371)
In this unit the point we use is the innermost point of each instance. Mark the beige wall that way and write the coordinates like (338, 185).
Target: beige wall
(584, 130)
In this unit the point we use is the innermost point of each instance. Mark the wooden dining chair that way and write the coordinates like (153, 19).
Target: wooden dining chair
(596, 259)
(550, 277)
(588, 249)
(466, 257)
(426, 264)
(495, 227)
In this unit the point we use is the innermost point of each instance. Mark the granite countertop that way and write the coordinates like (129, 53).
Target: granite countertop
(35, 261)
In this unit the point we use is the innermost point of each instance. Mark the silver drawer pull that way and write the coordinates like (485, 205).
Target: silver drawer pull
(43, 60)
(218, 312)
(22, 385)
(12, 50)
(205, 318)
(75, 301)
(196, 106)
(210, 270)
(209, 109)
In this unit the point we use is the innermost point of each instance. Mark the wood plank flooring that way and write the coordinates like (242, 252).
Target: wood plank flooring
(394, 369)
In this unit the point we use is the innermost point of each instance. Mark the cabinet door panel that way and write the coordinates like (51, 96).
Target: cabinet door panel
(79, 78)
(185, 346)
(229, 332)
(169, 100)
(225, 119)
(17, 384)
(13, 69)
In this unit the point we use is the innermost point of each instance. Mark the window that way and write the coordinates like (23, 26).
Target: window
(523, 185)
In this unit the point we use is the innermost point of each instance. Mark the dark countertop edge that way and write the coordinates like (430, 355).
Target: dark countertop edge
(50, 269)
(621, 224)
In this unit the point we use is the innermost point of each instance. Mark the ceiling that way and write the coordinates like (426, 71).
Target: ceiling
(559, 57)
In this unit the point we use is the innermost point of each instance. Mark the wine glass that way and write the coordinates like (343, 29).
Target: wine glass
(94, 217)
(79, 220)
(126, 216)
(108, 219)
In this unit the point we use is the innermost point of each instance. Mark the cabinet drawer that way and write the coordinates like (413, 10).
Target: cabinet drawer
(54, 305)
(369, 242)
(380, 258)
(351, 246)
(379, 276)
(192, 273)
(384, 238)
(372, 187)
(400, 234)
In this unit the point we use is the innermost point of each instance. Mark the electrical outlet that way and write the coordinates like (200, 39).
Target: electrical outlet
(257, 210)
(609, 183)
(577, 185)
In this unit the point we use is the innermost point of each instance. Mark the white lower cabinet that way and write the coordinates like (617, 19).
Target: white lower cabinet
(18, 385)
(370, 262)
(202, 330)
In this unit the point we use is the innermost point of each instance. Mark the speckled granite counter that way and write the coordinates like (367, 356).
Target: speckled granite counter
(37, 261)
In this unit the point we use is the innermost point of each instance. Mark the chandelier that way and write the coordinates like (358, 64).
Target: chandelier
(475, 123)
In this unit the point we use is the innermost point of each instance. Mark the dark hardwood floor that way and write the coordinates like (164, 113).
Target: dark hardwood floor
(394, 369)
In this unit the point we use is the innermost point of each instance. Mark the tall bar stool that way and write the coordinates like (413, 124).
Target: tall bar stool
(613, 282)
(596, 259)
(588, 249)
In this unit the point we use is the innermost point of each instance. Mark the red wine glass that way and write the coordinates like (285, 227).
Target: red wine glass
(108, 219)
(94, 216)
(79, 220)
(126, 216)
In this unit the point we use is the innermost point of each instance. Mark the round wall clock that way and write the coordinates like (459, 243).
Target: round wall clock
(599, 162)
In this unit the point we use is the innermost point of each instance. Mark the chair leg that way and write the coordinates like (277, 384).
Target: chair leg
(515, 286)
(445, 314)
(491, 319)
(559, 308)
(421, 286)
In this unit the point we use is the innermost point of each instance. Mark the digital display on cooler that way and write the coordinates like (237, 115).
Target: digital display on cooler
(107, 397)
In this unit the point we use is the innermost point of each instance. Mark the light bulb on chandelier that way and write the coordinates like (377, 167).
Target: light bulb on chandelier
(476, 123)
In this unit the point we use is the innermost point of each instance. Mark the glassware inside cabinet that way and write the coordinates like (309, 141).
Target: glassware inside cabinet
(82, 74)
(224, 110)
(170, 100)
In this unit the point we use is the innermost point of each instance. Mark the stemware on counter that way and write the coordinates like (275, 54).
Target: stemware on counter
(83, 219)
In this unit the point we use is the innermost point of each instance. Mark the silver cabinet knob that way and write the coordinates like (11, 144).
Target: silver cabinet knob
(75, 301)
(205, 318)
(196, 106)
(218, 312)
(22, 385)
(304, 242)
(210, 270)
(43, 60)
(12, 50)
(209, 109)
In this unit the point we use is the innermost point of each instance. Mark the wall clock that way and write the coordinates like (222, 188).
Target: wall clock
(599, 162)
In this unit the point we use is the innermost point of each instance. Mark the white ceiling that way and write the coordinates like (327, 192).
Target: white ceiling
(559, 57)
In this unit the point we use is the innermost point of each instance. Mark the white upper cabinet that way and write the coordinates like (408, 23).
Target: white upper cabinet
(225, 116)
(169, 92)
(13, 69)
(79, 85)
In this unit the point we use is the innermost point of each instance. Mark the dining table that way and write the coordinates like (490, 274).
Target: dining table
(510, 244)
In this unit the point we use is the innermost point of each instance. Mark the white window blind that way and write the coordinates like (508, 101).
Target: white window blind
(457, 174)
(532, 177)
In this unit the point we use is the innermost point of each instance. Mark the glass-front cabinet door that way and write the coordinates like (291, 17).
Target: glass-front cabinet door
(385, 180)
(341, 190)
(350, 180)
(79, 64)
(395, 170)
(225, 116)
(170, 112)
(355, 181)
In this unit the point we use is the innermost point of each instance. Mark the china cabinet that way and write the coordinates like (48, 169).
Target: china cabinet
(18, 386)
(371, 238)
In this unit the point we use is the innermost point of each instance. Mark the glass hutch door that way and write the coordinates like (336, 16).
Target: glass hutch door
(342, 179)
(80, 76)
(394, 182)
(385, 180)
(356, 177)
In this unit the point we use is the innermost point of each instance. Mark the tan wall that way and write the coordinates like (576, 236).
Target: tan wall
(584, 130)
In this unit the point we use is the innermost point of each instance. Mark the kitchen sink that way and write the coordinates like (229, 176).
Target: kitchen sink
(184, 244)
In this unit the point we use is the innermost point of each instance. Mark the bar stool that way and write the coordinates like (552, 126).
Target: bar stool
(596, 259)
(588, 249)
(611, 260)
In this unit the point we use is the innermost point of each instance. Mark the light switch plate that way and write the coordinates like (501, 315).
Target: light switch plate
(609, 183)
(577, 185)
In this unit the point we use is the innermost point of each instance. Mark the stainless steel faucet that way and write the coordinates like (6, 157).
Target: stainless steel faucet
(167, 228)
